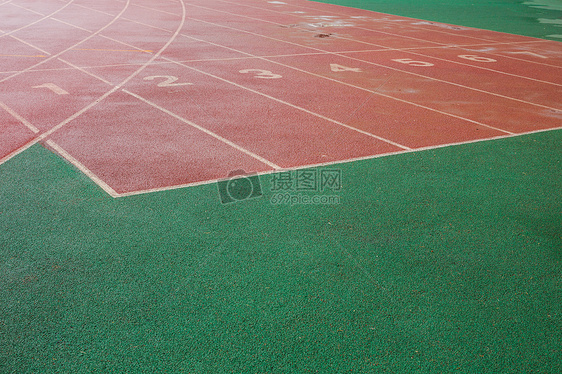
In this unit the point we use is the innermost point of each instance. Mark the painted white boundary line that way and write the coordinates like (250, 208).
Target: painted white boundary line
(18, 117)
(194, 184)
(208, 132)
(37, 21)
(115, 19)
(104, 186)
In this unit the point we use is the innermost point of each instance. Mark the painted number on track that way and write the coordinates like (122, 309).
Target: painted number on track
(336, 68)
(53, 87)
(168, 81)
(263, 74)
(477, 58)
(409, 61)
(529, 53)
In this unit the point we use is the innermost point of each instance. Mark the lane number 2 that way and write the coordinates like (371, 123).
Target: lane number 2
(168, 81)
(263, 74)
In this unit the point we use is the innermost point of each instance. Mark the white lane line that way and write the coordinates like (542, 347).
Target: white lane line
(35, 22)
(170, 188)
(346, 84)
(475, 66)
(125, 81)
(44, 135)
(452, 83)
(74, 116)
(305, 29)
(500, 54)
(125, 18)
(394, 49)
(385, 21)
(367, 43)
(208, 132)
(104, 186)
(32, 10)
(380, 65)
(73, 46)
(216, 136)
(270, 97)
(85, 71)
(340, 162)
(18, 117)
(87, 67)
(155, 10)
(334, 80)
(184, 61)
(30, 45)
(267, 162)
(71, 25)
(295, 106)
(483, 40)
(21, 149)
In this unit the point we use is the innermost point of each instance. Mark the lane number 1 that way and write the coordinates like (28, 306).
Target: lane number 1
(53, 87)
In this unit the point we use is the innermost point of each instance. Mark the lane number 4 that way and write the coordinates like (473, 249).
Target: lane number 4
(336, 68)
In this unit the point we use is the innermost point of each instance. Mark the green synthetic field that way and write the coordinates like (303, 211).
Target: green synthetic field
(441, 261)
(537, 18)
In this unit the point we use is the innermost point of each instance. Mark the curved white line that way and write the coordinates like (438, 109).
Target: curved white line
(71, 47)
(39, 20)
(39, 138)
(125, 81)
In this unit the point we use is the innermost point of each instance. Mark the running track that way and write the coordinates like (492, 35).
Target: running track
(147, 95)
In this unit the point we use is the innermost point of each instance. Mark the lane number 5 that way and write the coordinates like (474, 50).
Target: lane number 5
(409, 61)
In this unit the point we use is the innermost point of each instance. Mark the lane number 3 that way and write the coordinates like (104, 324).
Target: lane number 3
(263, 74)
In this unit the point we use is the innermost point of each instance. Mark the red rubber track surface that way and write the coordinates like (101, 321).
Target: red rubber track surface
(144, 96)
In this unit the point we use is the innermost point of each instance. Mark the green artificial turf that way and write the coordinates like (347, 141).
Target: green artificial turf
(537, 18)
(439, 261)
